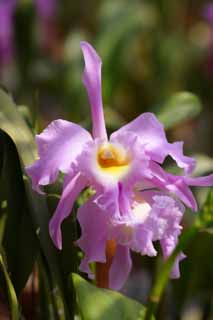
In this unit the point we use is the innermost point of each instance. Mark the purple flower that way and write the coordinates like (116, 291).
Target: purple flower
(135, 202)
(208, 15)
(208, 12)
(7, 8)
(49, 32)
(46, 8)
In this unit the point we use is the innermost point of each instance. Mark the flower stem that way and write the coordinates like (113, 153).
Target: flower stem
(102, 269)
(160, 284)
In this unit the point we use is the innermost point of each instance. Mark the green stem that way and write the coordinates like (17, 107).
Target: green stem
(160, 284)
(13, 302)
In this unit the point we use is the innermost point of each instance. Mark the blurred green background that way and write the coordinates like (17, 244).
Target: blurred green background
(151, 50)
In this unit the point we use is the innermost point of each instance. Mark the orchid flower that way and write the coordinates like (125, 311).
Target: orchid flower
(208, 12)
(135, 202)
(208, 15)
(46, 8)
(47, 18)
(7, 8)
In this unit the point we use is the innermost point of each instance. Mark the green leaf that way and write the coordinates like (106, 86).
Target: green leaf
(19, 240)
(10, 291)
(13, 124)
(180, 107)
(163, 276)
(205, 217)
(204, 164)
(46, 298)
(119, 26)
(103, 304)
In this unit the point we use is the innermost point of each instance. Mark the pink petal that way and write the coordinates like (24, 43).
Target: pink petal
(208, 12)
(58, 146)
(108, 201)
(183, 192)
(200, 181)
(144, 241)
(46, 8)
(92, 82)
(93, 222)
(151, 133)
(120, 267)
(70, 192)
(125, 201)
(7, 9)
(175, 272)
(8, 6)
(168, 245)
(174, 184)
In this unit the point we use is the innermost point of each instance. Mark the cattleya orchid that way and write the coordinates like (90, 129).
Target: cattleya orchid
(46, 8)
(208, 12)
(135, 202)
(7, 8)
(47, 22)
(208, 15)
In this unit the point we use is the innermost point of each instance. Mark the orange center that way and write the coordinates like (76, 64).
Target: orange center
(113, 160)
(102, 269)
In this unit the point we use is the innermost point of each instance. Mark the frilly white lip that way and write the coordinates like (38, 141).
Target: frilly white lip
(141, 211)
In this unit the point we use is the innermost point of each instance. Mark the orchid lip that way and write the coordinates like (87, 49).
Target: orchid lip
(139, 214)
(113, 159)
(141, 211)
